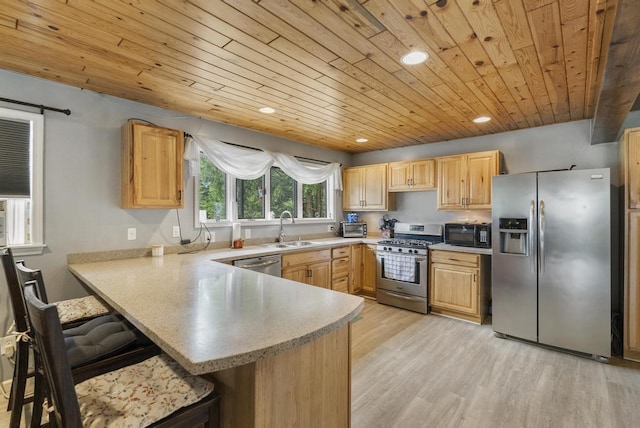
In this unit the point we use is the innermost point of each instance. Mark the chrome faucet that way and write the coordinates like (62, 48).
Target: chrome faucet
(282, 234)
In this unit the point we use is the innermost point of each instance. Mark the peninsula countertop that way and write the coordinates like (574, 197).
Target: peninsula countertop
(209, 316)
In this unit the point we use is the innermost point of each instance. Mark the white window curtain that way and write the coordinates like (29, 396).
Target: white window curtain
(249, 164)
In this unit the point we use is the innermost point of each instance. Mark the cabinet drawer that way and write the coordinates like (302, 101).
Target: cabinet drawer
(305, 258)
(341, 284)
(340, 267)
(340, 252)
(455, 258)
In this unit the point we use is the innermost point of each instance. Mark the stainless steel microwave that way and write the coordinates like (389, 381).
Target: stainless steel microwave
(353, 230)
(468, 234)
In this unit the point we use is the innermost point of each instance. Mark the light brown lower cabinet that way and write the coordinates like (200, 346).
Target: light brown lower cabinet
(309, 267)
(632, 290)
(340, 267)
(355, 281)
(369, 269)
(459, 284)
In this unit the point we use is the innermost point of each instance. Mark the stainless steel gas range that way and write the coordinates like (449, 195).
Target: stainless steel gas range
(403, 270)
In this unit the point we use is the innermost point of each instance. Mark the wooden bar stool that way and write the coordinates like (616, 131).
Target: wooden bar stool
(72, 310)
(93, 347)
(155, 392)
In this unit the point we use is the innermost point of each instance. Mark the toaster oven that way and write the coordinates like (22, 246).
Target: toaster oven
(353, 230)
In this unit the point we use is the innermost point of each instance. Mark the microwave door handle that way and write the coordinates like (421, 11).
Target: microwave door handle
(532, 259)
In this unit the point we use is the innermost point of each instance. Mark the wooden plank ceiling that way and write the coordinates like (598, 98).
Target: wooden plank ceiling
(330, 68)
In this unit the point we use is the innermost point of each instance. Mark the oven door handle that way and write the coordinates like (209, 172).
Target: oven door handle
(400, 296)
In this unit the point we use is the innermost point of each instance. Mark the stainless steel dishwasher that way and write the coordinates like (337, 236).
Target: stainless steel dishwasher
(271, 265)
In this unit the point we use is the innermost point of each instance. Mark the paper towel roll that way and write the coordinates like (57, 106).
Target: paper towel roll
(236, 233)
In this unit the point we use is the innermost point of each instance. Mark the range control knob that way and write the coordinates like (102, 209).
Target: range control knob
(399, 250)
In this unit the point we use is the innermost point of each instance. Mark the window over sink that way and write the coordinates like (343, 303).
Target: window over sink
(224, 198)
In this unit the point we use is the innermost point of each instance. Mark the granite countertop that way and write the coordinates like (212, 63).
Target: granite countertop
(210, 316)
(220, 254)
(460, 249)
(226, 254)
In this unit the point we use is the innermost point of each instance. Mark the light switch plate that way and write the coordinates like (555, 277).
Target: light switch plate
(176, 231)
(247, 234)
(131, 234)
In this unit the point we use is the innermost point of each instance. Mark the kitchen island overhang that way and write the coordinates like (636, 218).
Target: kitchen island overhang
(259, 336)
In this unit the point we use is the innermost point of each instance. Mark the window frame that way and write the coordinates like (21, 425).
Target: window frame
(232, 205)
(36, 246)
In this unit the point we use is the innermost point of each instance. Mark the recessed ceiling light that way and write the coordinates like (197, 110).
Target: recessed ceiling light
(415, 57)
(481, 119)
(361, 140)
(267, 110)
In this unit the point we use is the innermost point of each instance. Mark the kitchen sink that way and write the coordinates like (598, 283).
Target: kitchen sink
(299, 243)
(292, 244)
(277, 245)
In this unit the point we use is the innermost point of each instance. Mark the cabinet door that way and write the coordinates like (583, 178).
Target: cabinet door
(369, 269)
(320, 275)
(450, 183)
(298, 273)
(633, 169)
(355, 281)
(480, 168)
(352, 198)
(632, 292)
(454, 288)
(375, 187)
(399, 176)
(152, 167)
(422, 175)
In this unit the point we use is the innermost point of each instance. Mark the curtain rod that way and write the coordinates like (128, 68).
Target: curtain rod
(186, 134)
(40, 106)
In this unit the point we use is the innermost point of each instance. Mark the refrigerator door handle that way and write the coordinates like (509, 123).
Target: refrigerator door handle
(541, 234)
(532, 259)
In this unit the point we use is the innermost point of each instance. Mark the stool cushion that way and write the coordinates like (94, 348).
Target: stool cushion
(140, 394)
(97, 339)
(80, 308)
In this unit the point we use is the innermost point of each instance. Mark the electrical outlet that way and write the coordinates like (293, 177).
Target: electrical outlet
(131, 234)
(213, 236)
(247, 234)
(176, 231)
(7, 345)
(330, 228)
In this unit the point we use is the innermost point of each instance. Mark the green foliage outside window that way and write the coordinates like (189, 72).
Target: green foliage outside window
(283, 192)
(212, 190)
(250, 195)
(314, 200)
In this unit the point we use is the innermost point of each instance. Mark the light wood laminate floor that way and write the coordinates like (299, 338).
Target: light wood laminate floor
(412, 370)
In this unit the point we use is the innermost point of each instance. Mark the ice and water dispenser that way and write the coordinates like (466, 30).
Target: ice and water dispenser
(514, 235)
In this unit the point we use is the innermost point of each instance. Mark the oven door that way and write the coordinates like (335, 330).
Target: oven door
(400, 273)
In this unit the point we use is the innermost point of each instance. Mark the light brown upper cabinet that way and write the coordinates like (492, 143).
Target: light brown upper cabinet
(365, 188)
(412, 176)
(151, 166)
(464, 181)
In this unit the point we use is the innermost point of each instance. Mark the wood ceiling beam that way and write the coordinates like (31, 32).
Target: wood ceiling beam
(621, 84)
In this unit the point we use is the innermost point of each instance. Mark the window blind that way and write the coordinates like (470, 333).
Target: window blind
(15, 165)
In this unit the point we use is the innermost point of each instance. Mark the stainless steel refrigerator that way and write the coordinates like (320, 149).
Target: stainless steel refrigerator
(551, 264)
